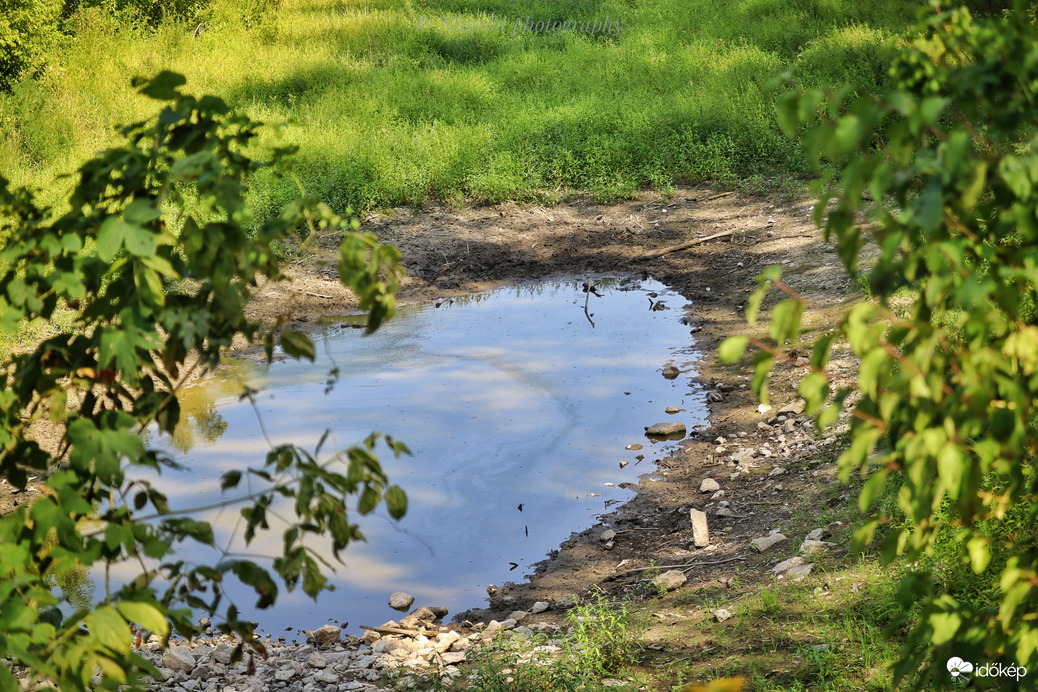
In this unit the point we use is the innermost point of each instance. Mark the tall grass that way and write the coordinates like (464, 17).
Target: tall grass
(384, 114)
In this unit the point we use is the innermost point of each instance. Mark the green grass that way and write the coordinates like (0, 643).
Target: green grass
(386, 115)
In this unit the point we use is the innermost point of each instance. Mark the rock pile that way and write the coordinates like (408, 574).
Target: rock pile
(330, 662)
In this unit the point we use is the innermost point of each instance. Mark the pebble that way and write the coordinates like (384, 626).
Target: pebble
(722, 614)
(401, 601)
(607, 535)
(709, 485)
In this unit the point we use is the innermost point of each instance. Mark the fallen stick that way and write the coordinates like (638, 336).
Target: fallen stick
(395, 630)
(720, 195)
(684, 246)
(316, 295)
(688, 565)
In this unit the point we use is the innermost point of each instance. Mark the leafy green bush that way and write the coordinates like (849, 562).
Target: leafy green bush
(140, 332)
(949, 411)
(28, 32)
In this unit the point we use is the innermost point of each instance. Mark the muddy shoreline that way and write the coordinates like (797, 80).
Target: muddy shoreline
(449, 252)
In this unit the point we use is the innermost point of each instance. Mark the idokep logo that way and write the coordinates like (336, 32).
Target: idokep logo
(959, 668)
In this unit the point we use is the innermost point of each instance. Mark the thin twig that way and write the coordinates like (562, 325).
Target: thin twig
(684, 566)
(684, 246)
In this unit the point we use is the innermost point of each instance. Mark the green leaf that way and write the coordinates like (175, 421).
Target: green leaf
(146, 615)
(944, 625)
(298, 345)
(980, 556)
(109, 629)
(230, 480)
(396, 501)
(732, 348)
(871, 489)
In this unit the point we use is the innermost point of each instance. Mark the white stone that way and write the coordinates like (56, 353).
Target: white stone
(787, 565)
(722, 614)
(765, 542)
(709, 485)
(539, 607)
(700, 529)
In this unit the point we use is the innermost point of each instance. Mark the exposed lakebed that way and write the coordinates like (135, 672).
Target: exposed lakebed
(517, 410)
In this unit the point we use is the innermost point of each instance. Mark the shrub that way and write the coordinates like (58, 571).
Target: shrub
(949, 411)
(28, 32)
(140, 331)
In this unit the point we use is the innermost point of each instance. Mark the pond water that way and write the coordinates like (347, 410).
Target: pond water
(517, 405)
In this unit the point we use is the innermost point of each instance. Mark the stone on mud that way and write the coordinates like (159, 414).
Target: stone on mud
(700, 530)
(763, 543)
(787, 565)
(568, 601)
(709, 485)
(665, 429)
(668, 581)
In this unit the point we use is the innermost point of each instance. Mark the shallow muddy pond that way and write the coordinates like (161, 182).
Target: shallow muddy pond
(516, 408)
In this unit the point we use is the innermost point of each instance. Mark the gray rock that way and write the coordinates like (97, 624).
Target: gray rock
(316, 660)
(789, 426)
(518, 615)
(714, 396)
(810, 547)
(668, 581)
(724, 512)
(722, 614)
(794, 407)
(326, 635)
(777, 471)
(439, 611)
(816, 535)
(568, 601)
(800, 571)
(453, 657)
(284, 674)
(539, 607)
(178, 659)
(765, 542)
(326, 677)
(665, 429)
(401, 601)
(709, 485)
(607, 535)
(787, 565)
(670, 371)
(672, 410)
(700, 530)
